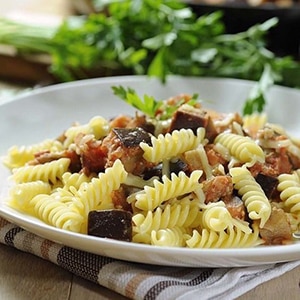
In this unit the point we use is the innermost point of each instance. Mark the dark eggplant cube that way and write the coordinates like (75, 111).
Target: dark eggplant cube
(132, 137)
(155, 171)
(268, 184)
(178, 166)
(114, 224)
(190, 117)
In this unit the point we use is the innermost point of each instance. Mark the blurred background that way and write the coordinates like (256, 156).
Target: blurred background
(30, 69)
(239, 15)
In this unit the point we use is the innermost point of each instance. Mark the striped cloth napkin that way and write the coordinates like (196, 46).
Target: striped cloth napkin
(141, 281)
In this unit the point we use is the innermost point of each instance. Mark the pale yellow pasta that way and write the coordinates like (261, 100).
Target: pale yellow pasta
(96, 193)
(172, 144)
(216, 217)
(137, 181)
(151, 197)
(19, 156)
(97, 126)
(181, 213)
(289, 187)
(68, 197)
(171, 237)
(256, 202)
(241, 148)
(237, 128)
(294, 221)
(232, 237)
(54, 212)
(22, 193)
(254, 122)
(141, 238)
(74, 179)
(51, 172)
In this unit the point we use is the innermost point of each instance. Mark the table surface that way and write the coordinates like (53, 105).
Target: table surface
(25, 276)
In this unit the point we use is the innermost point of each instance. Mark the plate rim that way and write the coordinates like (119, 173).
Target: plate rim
(238, 252)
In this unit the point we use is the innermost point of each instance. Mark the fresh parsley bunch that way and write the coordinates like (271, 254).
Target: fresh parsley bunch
(163, 37)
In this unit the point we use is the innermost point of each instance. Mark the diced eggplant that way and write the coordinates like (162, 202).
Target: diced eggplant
(178, 166)
(113, 223)
(132, 137)
(268, 184)
(190, 117)
(154, 171)
(175, 167)
(124, 144)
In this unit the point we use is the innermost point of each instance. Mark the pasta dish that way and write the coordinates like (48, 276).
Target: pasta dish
(176, 175)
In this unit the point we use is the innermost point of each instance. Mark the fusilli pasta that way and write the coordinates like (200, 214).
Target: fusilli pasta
(179, 185)
(171, 145)
(242, 148)
(22, 193)
(19, 156)
(96, 193)
(51, 172)
(216, 217)
(57, 213)
(181, 213)
(258, 205)
(232, 237)
(289, 187)
(171, 237)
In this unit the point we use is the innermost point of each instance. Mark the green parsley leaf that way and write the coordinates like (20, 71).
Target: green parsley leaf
(148, 105)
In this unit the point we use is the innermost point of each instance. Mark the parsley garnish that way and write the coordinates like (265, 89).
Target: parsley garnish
(147, 105)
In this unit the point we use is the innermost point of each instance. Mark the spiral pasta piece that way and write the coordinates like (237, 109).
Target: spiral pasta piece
(233, 237)
(254, 122)
(74, 179)
(242, 148)
(22, 193)
(171, 145)
(51, 172)
(96, 193)
(289, 187)
(56, 213)
(294, 221)
(68, 197)
(18, 156)
(182, 213)
(179, 185)
(216, 217)
(256, 202)
(171, 237)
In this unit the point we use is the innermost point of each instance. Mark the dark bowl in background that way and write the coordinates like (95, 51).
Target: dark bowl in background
(283, 39)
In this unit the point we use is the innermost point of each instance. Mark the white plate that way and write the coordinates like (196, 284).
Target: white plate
(48, 111)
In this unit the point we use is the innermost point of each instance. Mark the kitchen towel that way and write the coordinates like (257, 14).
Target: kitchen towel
(142, 281)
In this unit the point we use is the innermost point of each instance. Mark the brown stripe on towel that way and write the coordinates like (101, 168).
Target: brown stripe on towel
(45, 249)
(164, 284)
(10, 235)
(132, 285)
(3, 223)
(81, 263)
